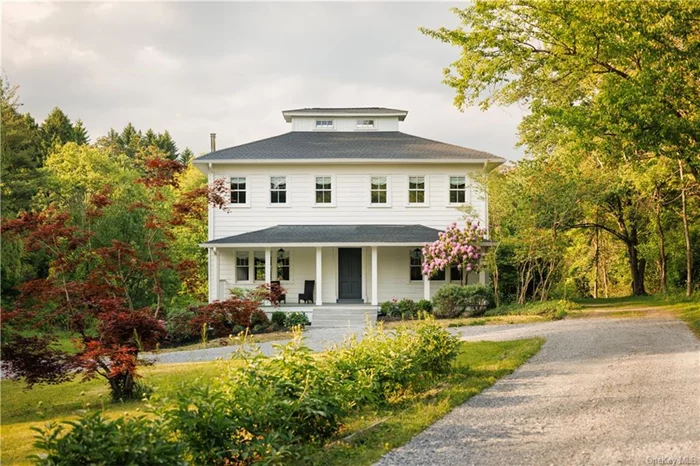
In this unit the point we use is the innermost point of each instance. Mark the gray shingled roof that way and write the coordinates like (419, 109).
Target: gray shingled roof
(335, 234)
(348, 110)
(310, 145)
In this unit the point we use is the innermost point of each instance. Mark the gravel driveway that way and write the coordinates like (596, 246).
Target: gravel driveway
(601, 391)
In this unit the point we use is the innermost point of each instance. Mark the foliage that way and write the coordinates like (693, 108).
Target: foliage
(259, 318)
(554, 310)
(279, 318)
(453, 300)
(220, 317)
(455, 247)
(389, 308)
(424, 306)
(270, 292)
(405, 308)
(94, 439)
(177, 325)
(294, 319)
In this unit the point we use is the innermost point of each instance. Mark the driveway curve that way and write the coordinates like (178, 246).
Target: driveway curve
(600, 391)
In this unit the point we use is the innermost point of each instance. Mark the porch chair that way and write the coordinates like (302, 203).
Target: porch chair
(283, 297)
(308, 295)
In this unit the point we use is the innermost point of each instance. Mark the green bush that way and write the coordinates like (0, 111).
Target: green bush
(177, 324)
(388, 308)
(454, 300)
(296, 318)
(405, 308)
(278, 318)
(259, 319)
(477, 298)
(424, 306)
(448, 302)
(96, 440)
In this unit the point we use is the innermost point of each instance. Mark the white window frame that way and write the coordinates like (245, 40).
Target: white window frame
(426, 190)
(333, 191)
(360, 124)
(411, 266)
(388, 192)
(273, 258)
(247, 191)
(467, 190)
(260, 253)
(288, 190)
(324, 128)
(247, 254)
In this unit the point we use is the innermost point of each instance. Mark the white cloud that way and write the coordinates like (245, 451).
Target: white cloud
(231, 68)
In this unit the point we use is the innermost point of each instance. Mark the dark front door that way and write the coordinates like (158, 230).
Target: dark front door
(349, 273)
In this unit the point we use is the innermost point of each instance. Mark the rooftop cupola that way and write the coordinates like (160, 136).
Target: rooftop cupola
(345, 119)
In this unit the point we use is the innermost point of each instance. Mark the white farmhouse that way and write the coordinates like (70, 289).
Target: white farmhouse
(344, 200)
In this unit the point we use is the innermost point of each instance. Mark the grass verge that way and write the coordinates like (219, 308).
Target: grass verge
(686, 308)
(478, 366)
(374, 432)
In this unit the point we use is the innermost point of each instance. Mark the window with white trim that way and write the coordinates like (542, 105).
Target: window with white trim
(324, 124)
(242, 266)
(278, 189)
(458, 189)
(416, 264)
(379, 190)
(324, 190)
(416, 190)
(283, 265)
(238, 190)
(259, 264)
(455, 274)
(365, 124)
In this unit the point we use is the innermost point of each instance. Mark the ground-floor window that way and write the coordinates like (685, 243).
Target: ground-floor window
(283, 266)
(242, 264)
(259, 262)
(416, 264)
(455, 274)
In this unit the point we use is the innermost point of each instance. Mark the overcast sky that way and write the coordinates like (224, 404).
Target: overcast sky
(231, 68)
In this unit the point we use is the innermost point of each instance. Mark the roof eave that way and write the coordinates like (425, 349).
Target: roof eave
(491, 163)
(288, 115)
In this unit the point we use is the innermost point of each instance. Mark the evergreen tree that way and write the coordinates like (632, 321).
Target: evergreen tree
(57, 130)
(130, 140)
(186, 156)
(165, 143)
(80, 134)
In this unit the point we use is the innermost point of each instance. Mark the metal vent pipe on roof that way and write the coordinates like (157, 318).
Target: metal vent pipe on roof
(212, 137)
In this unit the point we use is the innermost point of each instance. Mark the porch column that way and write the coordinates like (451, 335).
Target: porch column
(216, 274)
(268, 265)
(319, 277)
(375, 277)
(426, 287)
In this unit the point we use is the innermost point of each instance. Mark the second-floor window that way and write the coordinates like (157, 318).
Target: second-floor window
(324, 124)
(238, 190)
(324, 190)
(416, 190)
(365, 124)
(278, 189)
(379, 190)
(458, 189)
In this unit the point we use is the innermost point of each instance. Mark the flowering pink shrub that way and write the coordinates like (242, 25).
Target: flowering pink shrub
(456, 247)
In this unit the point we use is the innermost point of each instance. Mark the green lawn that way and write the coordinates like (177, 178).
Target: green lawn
(684, 307)
(478, 366)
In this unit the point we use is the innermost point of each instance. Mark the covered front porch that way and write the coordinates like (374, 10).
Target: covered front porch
(348, 265)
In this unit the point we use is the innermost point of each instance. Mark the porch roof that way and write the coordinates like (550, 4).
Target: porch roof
(332, 235)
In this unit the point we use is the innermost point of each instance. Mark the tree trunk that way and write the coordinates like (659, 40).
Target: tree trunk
(662, 246)
(597, 258)
(637, 267)
(686, 233)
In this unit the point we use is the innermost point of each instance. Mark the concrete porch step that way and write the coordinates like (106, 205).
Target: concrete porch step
(343, 317)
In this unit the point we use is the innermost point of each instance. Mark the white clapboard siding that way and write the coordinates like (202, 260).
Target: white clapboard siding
(351, 193)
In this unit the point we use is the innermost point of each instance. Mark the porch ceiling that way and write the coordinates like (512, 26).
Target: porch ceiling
(331, 235)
